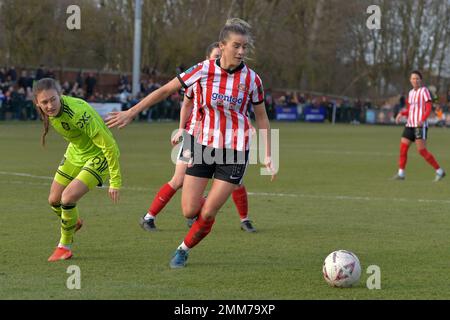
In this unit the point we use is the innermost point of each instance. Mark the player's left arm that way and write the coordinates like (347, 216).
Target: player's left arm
(111, 152)
(428, 107)
(263, 124)
(427, 111)
(90, 124)
(262, 121)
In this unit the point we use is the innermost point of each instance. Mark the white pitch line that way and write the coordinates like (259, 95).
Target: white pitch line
(351, 198)
(46, 184)
(258, 194)
(27, 175)
(18, 174)
(357, 153)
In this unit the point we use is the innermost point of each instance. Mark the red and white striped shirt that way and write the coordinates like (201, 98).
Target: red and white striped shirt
(417, 107)
(224, 96)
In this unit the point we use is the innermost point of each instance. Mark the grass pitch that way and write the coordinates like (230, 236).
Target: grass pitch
(332, 192)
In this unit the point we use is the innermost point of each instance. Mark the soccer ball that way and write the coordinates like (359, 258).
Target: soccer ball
(341, 269)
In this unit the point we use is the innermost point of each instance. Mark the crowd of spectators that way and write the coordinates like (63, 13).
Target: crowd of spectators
(16, 98)
(346, 110)
(166, 110)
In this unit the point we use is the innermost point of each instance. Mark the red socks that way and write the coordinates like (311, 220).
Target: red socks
(429, 158)
(198, 231)
(161, 199)
(403, 155)
(241, 201)
(424, 153)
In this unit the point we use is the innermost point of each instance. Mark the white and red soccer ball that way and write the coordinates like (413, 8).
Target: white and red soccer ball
(341, 269)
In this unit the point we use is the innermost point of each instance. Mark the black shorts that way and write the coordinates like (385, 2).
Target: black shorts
(414, 133)
(223, 164)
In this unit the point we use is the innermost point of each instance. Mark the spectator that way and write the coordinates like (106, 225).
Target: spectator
(29, 109)
(40, 72)
(13, 74)
(7, 107)
(328, 107)
(79, 81)
(49, 74)
(23, 80)
(152, 86)
(123, 80)
(339, 113)
(30, 80)
(402, 101)
(90, 84)
(17, 102)
(368, 104)
(2, 105)
(386, 106)
(270, 104)
(440, 116)
(143, 85)
(66, 88)
(2, 75)
(357, 108)
(110, 98)
(346, 113)
(77, 92)
(124, 98)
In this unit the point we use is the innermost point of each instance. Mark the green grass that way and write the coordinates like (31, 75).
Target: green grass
(332, 192)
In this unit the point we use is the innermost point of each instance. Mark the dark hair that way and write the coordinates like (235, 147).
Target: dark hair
(236, 25)
(418, 73)
(210, 48)
(39, 86)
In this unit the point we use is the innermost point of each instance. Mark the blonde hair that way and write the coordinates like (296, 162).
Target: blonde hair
(238, 26)
(38, 87)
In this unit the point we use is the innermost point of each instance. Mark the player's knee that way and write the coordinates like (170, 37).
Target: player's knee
(54, 200)
(208, 217)
(209, 212)
(68, 197)
(176, 182)
(189, 212)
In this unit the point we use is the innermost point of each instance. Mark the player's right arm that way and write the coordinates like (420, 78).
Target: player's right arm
(185, 79)
(122, 118)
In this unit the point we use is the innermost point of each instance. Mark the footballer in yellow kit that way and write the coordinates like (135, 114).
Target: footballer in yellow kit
(91, 156)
